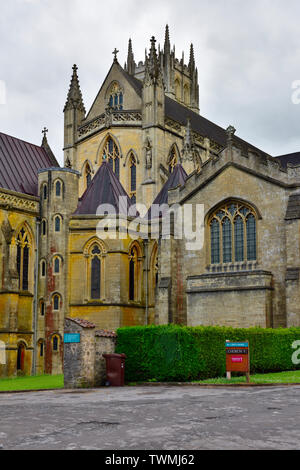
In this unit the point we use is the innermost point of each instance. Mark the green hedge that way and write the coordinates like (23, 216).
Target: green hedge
(175, 353)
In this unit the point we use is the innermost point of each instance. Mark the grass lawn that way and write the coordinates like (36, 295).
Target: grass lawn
(39, 382)
(275, 378)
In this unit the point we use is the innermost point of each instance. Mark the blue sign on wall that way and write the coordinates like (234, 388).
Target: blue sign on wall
(72, 338)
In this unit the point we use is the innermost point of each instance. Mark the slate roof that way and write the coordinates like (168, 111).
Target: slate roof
(177, 178)
(20, 162)
(292, 158)
(105, 188)
(199, 124)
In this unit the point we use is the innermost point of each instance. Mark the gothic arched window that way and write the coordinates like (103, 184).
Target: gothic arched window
(42, 308)
(95, 272)
(172, 159)
(132, 166)
(55, 343)
(233, 234)
(186, 92)
(44, 228)
(58, 189)
(57, 223)
(23, 254)
(134, 274)
(112, 155)
(45, 191)
(115, 100)
(56, 265)
(21, 356)
(177, 90)
(56, 302)
(43, 268)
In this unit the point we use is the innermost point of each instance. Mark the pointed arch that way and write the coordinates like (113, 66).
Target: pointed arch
(95, 253)
(58, 188)
(132, 174)
(131, 151)
(110, 151)
(114, 95)
(135, 256)
(23, 240)
(177, 89)
(233, 232)
(154, 273)
(186, 94)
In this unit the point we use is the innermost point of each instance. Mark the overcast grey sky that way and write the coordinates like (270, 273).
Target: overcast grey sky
(247, 53)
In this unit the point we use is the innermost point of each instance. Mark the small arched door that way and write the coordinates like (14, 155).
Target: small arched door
(21, 357)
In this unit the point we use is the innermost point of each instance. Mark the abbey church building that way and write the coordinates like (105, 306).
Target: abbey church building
(144, 141)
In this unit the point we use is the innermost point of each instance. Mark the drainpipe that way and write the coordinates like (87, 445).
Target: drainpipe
(35, 302)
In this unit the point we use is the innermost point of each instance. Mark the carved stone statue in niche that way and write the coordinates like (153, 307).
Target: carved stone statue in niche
(148, 154)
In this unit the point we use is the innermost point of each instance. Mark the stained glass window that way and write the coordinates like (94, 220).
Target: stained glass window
(251, 238)
(215, 241)
(239, 238)
(239, 221)
(23, 254)
(115, 100)
(112, 154)
(58, 188)
(57, 224)
(56, 266)
(56, 300)
(55, 343)
(227, 241)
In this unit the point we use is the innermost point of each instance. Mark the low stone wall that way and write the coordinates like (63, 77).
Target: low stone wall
(84, 365)
(105, 343)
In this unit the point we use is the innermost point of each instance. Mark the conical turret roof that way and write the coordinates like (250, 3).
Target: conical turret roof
(105, 188)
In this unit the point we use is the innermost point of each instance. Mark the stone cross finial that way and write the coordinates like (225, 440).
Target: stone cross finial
(45, 131)
(115, 53)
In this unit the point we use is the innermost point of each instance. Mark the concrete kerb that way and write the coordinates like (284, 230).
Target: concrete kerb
(153, 384)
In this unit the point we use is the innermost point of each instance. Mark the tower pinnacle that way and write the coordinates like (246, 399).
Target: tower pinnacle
(74, 99)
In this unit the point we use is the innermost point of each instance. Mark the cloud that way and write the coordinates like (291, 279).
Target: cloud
(247, 53)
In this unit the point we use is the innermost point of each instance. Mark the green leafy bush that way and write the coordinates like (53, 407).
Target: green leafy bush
(174, 353)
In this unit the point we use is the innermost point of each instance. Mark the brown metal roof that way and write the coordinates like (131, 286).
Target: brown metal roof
(105, 188)
(19, 164)
(177, 178)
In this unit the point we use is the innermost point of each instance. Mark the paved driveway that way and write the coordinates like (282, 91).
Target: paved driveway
(146, 418)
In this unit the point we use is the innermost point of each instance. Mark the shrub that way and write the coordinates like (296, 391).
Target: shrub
(174, 353)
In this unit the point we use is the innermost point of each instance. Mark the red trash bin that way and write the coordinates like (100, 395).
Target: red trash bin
(115, 369)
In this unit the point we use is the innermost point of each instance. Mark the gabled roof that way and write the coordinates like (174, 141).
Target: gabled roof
(105, 188)
(136, 84)
(203, 126)
(20, 162)
(292, 158)
(177, 178)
